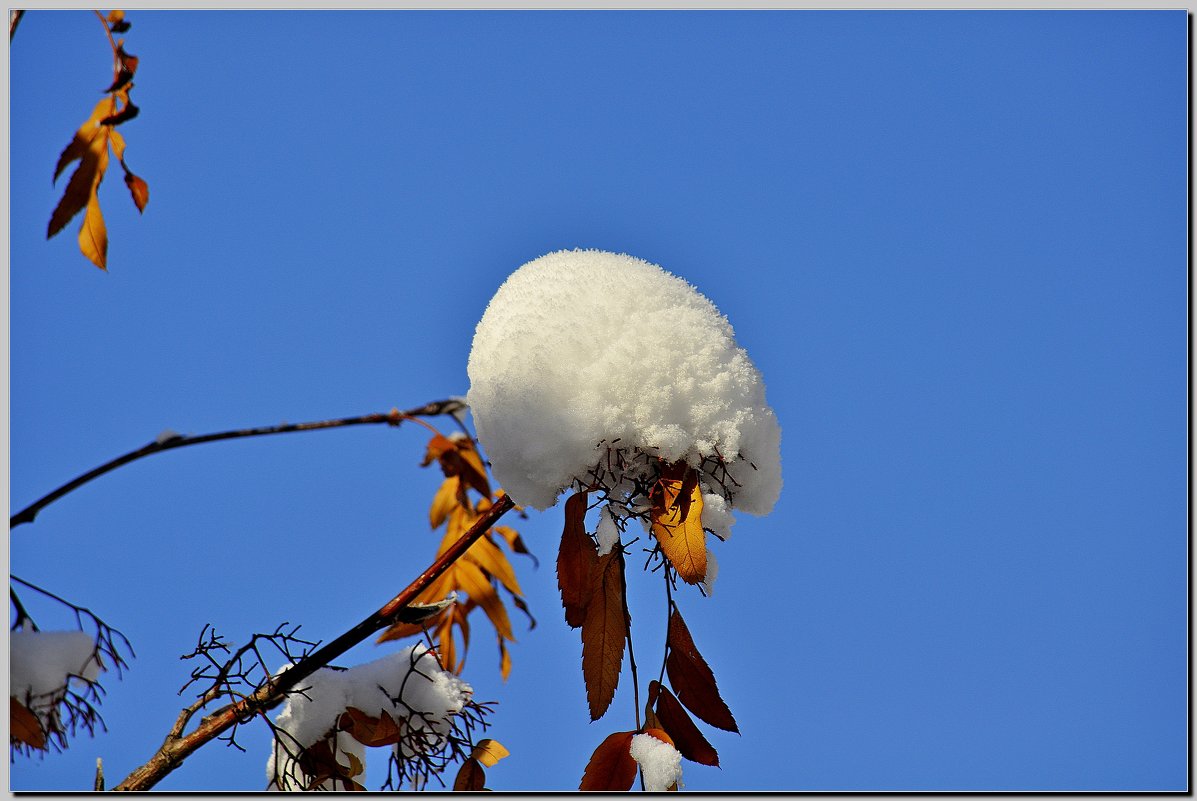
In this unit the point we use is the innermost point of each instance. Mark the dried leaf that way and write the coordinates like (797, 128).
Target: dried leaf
(659, 734)
(576, 560)
(604, 632)
(367, 730)
(444, 501)
(692, 678)
(677, 524)
(515, 542)
(611, 766)
(93, 235)
(686, 736)
(126, 113)
(481, 591)
(117, 22)
(90, 148)
(471, 778)
(489, 752)
(487, 556)
(24, 727)
(138, 189)
(436, 446)
(319, 763)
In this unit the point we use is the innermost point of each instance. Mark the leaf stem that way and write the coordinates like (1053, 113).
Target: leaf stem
(116, 59)
(393, 417)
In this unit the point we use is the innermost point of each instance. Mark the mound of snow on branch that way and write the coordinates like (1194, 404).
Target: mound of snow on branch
(409, 685)
(584, 351)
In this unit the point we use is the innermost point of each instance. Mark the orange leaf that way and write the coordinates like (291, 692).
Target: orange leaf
(444, 501)
(576, 561)
(24, 727)
(686, 737)
(659, 734)
(487, 556)
(139, 189)
(83, 141)
(692, 678)
(93, 235)
(90, 146)
(677, 523)
(471, 778)
(604, 632)
(489, 752)
(611, 766)
(481, 591)
(436, 446)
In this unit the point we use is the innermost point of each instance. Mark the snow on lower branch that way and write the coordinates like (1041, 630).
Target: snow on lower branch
(409, 686)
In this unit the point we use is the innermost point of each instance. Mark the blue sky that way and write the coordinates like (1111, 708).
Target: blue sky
(954, 243)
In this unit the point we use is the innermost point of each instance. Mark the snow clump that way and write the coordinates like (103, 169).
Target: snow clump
(409, 685)
(594, 367)
(44, 664)
(660, 761)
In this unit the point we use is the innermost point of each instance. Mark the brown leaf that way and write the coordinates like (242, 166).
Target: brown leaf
(515, 542)
(127, 112)
(138, 189)
(686, 736)
(604, 632)
(489, 752)
(611, 766)
(367, 730)
(320, 764)
(24, 727)
(692, 678)
(117, 21)
(659, 734)
(436, 446)
(471, 778)
(677, 523)
(576, 560)
(472, 471)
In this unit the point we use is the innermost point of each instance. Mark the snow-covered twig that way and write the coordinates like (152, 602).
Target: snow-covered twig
(178, 747)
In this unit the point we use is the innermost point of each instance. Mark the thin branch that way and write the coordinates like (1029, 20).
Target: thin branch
(14, 19)
(177, 748)
(393, 417)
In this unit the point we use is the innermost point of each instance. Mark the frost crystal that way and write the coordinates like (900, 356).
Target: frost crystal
(660, 761)
(591, 366)
(408, 685)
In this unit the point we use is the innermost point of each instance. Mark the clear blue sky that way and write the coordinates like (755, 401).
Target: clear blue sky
(954, 243)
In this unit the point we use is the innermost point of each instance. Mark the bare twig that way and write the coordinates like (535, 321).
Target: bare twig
(177, 748)
(14, 19)
(393, 417)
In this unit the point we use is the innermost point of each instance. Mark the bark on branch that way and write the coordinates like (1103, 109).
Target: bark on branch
(393, 417)
(178, 746)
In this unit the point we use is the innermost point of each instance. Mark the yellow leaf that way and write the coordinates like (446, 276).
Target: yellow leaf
(489, 752)
(480, 589)
(677, 522)
(487, 556)
(93, 236)
(444, 501)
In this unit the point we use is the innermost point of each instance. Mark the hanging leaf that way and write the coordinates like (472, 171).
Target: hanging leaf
(90, 148)
(692, 678)
(93, 235)
(686, 736)
(444, 501)
(320, 764)
(489, 752)
(604, 632)
(138, 189)
(24, 727)
(471, 778)
(117, 21)
(677, 521)
(611, 767)
(576, 561)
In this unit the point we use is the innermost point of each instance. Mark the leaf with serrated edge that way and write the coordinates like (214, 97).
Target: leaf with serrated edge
(489, 752)
(604, 632)
(678, 526)
(686, 736)
(576, 560)
(611, 766)
(692, 678)
(24, 726)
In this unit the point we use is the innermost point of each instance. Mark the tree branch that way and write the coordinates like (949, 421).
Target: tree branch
(393, 417)
(177, 748)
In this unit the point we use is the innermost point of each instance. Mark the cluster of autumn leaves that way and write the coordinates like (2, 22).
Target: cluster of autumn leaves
(593, 593)
(91, 145)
